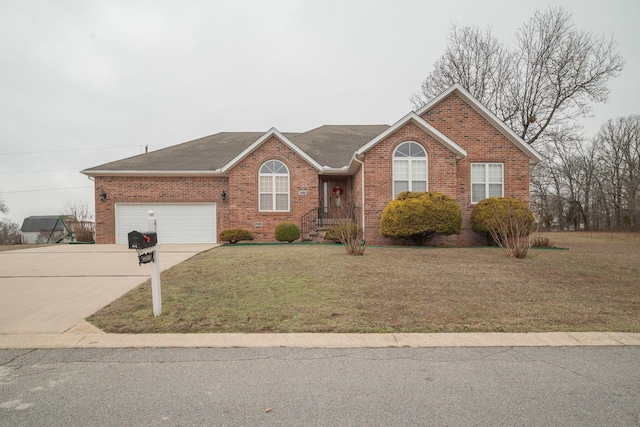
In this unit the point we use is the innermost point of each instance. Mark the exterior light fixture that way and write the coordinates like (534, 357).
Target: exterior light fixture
(103, 196)
(224, 195)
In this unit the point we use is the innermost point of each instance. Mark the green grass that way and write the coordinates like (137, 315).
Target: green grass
(593, 286)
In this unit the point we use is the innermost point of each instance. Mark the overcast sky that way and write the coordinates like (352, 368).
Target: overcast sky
(87, 82)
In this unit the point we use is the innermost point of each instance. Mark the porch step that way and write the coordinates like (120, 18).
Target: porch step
(318, 235)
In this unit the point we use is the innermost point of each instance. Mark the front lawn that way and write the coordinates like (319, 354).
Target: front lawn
(593, 286)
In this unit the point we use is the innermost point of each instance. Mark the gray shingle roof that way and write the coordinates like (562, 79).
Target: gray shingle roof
(41, 223)
(334, 145)
(328, 145)
(204, 154)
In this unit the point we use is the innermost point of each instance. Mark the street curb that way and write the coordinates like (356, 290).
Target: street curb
(311, 340)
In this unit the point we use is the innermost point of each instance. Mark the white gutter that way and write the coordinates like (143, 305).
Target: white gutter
(362, 207)
(217, 172)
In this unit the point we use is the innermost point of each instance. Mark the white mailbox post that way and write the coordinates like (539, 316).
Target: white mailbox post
(146, 245)
(156, 291)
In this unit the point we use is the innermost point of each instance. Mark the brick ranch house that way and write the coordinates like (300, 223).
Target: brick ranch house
(452, 145)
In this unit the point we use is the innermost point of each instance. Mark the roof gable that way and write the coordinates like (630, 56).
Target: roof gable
(41, 223)
(422, 124)
(261, 140)
(534, 156)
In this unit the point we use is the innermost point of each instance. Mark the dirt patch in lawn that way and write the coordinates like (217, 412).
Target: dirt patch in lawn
(593, 286)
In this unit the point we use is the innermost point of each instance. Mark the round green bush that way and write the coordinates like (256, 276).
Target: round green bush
(287, 232)
(486, 215)
(233, 235)
(421, 215)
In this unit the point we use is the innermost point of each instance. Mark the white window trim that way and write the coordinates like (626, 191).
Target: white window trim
(410, 159)
(486, 180)
(274, 193)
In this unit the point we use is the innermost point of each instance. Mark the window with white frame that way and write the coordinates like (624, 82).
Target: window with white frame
(409, 168)
(274, 186)
(487, 180)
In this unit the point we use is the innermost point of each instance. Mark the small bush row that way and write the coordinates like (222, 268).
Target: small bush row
(285, 232)
(418, 216)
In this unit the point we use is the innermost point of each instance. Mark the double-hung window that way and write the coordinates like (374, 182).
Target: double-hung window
(487, 180)
(409, 168)
(274, 187)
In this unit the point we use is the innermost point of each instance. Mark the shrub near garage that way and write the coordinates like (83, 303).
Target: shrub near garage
(287, 232)
(233, 235)
(420, 216)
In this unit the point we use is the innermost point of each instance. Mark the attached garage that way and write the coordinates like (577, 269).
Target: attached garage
(177, 222)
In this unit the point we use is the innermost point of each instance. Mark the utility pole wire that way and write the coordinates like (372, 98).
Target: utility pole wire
(45, 189)
(76, 149)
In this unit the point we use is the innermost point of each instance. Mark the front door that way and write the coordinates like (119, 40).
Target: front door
(334, 193)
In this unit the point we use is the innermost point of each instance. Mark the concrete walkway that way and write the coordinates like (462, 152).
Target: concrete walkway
(52, 289)
(86, 336)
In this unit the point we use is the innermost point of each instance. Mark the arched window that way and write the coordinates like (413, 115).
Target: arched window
(409, 168)
(274, 186)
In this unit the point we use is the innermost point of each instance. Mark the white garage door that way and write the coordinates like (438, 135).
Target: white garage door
(177, 222)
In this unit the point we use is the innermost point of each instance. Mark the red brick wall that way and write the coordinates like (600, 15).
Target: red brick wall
(483, 143)
(131, 189)
(239, 210)
(243, 198)
(462, 124)
(379, 174)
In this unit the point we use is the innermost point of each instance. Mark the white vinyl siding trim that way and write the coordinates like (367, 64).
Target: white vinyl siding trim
(273, 184)
(410, 170)
(487, 180)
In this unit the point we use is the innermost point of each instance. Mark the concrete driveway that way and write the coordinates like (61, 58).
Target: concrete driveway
(52, 289)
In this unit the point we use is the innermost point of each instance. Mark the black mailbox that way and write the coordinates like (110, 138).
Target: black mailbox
(143, 240)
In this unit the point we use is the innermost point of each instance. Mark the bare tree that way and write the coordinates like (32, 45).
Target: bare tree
(350, 232)
(511, 232)
(80, 221)
(552, 76)
(620, 151)
(3, 207)
(480, 63)
(9, 232)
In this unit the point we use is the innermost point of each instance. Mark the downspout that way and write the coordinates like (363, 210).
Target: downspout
(363, 216)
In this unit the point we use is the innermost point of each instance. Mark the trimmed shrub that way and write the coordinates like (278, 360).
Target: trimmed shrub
(287, 232)
(233, 235)
(506, 221)
(420, 216)
(484, 214)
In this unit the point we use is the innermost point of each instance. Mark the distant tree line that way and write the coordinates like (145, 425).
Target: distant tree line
(590, 185)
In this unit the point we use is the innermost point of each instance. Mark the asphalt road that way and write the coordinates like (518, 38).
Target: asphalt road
(506, 386)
